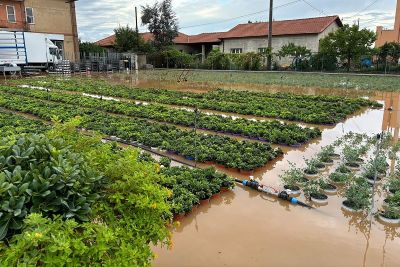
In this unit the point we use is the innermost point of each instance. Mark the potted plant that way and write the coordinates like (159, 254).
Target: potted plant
(391, 213)
(313, 191)
(351, 156)
(311, 169)
(358, 196)
(393, 185)
(327, 187)
(339, 178)
(343, 169)
(327, 155)
(292, 178)
(370, 173)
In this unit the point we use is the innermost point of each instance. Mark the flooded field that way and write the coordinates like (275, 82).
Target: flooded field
(243, 228)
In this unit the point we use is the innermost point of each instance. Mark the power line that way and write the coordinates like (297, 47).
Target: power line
(362, 10)
(315, 8)
(239, 17)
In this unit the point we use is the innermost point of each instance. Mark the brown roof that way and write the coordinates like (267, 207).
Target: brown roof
(211, 37)
(147, 36)
(285, 27)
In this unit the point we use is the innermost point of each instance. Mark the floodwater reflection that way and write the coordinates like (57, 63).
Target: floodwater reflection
(244, 228)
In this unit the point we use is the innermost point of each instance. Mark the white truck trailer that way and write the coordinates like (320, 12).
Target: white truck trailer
(29, 49)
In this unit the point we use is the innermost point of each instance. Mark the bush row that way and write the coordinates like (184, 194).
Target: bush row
(310, 109)
(222, 150)
(271, 131)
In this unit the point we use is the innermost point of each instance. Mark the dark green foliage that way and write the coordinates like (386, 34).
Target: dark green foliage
(294, 50)
(11, 124)
(272, 131)
(128, 40)
(189, 186)
(88, 47)
(161, 22)
(348, 43)
(43, 176)
(223, 150)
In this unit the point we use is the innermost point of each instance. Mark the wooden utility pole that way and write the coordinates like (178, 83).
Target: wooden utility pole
(271, 7)
(137, 28)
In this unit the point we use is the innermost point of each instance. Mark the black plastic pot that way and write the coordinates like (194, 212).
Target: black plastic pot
(319, 198)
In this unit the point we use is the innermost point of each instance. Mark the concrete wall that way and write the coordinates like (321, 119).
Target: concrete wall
(55, 16)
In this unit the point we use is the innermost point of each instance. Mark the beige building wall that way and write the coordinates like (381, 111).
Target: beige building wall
(56, 17)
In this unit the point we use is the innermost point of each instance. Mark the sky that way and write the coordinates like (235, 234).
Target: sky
(97, 19)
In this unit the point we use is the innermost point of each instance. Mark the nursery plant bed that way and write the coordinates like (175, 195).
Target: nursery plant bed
(346, 205)
(319, 198)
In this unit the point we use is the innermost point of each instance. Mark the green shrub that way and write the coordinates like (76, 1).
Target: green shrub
(43, 176)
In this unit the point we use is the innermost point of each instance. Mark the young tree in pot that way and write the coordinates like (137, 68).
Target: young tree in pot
(381, 165)
(339, 178)
(291, 178)
(358, 195)
(351, 156)
(343, 169)
(327, 154)
(391, 213)
(327, 187)
(311, 167)
(294, 176)
(370, 172)
(313, 191)
(393, 185)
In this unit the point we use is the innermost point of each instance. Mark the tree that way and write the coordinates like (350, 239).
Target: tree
(162, 23)
(294, 50)
(88, 47)
(348, 43)
(391, 50)
(127, 40)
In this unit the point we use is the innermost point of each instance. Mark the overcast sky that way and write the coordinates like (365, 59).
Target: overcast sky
(97, 19)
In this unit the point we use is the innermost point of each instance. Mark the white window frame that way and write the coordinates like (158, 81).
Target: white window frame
(26, 15)
(262, 50)
(8, 15)
(236, 50)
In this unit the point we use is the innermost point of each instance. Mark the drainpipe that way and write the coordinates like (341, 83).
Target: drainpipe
(74, 30)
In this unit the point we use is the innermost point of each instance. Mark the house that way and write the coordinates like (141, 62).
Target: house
(389, 35)
(253, 37)
(57, 18)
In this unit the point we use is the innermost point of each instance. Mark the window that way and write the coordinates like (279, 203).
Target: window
(262, 50)
(236, 50)
(30, 19)
(11, 14)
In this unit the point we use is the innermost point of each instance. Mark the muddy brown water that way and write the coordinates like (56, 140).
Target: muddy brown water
(243, 228)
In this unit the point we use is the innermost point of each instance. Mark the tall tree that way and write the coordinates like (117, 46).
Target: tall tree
(391, 50)
(88, 47)
(348, 43)
(127, 40)
(162, 23)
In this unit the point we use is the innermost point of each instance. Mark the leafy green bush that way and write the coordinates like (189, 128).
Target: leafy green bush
(358, 194)
(43, 176)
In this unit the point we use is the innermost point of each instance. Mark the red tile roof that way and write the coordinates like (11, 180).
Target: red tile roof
(110, 40)
(285, 27)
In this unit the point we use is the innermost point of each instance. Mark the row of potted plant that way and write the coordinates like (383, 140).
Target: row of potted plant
(319, 110)
(271, 131)
(226, 151)
(15, 124)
